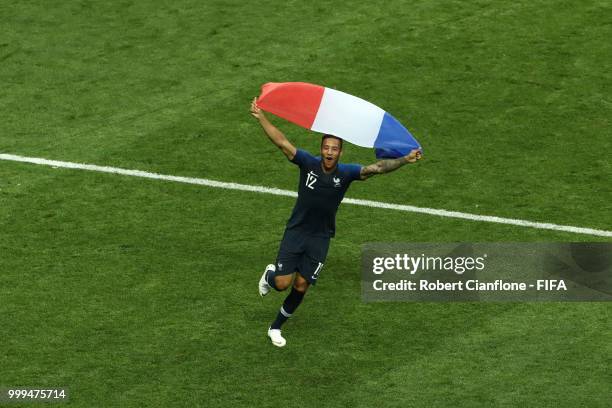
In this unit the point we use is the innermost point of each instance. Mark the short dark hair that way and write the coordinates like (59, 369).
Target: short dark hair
(326, 136)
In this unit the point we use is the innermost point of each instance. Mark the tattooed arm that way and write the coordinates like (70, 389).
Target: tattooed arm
(388, 165)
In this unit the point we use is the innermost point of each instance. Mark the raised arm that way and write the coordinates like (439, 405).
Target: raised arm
(388, 165)
(276, 136)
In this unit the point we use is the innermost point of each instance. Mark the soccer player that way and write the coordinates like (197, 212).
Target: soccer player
(323, 183)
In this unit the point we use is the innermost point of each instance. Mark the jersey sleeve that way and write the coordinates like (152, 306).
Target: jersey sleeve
(353, 171)
(302, 158)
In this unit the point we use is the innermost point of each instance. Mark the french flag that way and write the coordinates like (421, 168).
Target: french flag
(337, 113)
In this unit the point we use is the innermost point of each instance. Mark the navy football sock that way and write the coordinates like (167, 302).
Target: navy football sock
(292, 301)
(270, 274)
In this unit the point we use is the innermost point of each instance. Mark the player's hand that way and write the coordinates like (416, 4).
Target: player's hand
(255, 111)
(413, 156)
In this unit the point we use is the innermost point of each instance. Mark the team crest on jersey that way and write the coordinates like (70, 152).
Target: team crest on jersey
(280, 266)
(337, 182)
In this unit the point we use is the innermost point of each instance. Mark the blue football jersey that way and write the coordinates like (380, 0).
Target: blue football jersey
(319, 194)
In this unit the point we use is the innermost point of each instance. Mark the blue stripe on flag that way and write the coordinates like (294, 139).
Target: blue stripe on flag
(393, 139)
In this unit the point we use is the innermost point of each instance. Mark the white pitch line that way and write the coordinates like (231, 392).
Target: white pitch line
(279, 192)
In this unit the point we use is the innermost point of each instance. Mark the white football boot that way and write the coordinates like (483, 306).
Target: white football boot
(264, 286)
(276, 338)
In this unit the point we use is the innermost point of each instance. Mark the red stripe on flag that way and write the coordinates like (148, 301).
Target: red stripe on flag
(298, 102)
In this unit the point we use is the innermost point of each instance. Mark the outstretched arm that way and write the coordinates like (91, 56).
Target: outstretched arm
(276, 136)
(388, 165)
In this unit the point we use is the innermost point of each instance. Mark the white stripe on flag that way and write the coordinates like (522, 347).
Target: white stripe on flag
(348, 117)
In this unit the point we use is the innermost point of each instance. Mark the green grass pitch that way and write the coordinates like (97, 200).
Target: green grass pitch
(136, 292)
